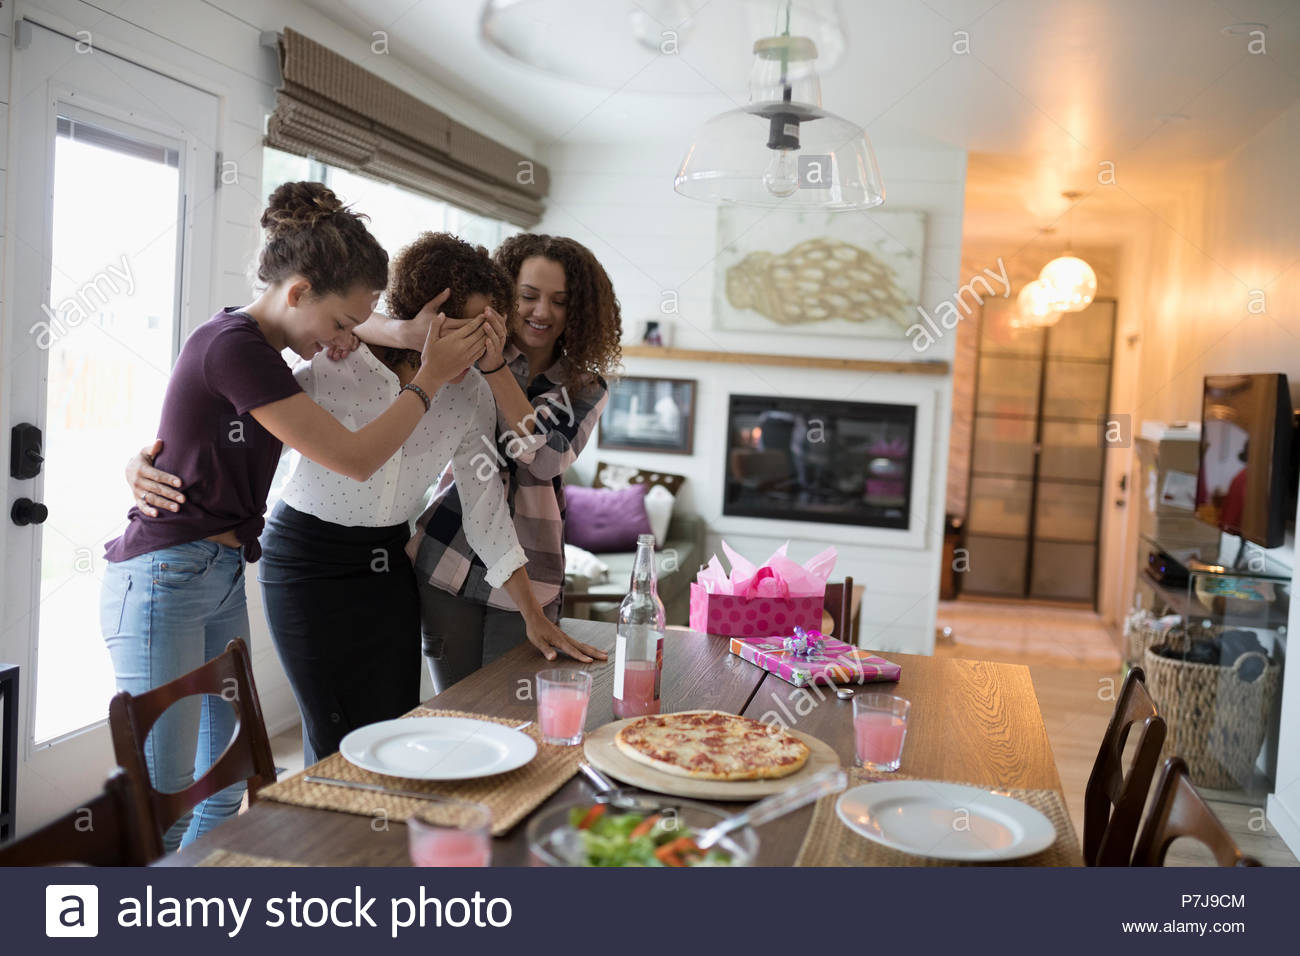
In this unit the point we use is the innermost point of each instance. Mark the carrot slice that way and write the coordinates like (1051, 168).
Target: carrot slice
(666, 856)
(594, 814)
(645, 826)
(683, 845)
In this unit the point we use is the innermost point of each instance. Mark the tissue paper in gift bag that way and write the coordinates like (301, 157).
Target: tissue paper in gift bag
(748, 615)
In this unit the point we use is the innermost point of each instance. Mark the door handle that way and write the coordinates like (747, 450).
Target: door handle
(25, 512)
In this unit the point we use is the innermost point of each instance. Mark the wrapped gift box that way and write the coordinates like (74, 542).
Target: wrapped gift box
(835, 663)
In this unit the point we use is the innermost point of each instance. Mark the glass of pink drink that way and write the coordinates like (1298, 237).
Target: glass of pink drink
(450, 833)
(879, 726)
(562, 697)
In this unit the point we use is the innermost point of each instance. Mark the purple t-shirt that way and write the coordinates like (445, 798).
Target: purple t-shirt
(224, 458)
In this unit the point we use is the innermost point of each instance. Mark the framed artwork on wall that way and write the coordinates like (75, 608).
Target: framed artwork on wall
(818, 273)
(649, 414)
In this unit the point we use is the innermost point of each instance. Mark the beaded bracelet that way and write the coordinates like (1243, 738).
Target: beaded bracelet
(423, 395)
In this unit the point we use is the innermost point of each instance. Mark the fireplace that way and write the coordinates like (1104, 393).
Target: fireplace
(833, 462)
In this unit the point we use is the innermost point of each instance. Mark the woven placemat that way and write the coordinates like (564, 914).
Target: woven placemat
(230, 858)
(830, 843)
(510, 796)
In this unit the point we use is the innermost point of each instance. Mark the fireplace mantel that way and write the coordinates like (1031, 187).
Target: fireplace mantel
(788, 361)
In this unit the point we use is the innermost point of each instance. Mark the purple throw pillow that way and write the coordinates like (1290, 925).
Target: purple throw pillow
(602, 520)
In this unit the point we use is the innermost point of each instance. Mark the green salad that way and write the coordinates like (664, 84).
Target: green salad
(611, 838)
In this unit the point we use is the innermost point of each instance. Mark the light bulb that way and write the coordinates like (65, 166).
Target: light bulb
(782, 174)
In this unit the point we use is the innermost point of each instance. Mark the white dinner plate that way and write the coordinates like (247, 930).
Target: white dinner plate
(947, 821)
(437, 748)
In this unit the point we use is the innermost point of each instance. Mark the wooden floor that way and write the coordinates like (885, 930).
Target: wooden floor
(1075, 664)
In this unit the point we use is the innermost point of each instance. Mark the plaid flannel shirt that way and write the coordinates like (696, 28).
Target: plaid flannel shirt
(532, 468)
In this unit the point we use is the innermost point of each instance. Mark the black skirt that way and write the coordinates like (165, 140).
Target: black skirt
(344, 613)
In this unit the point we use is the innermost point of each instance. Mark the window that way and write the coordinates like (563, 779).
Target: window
(397, 215)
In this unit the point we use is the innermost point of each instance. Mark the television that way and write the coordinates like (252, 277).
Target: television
(836, 462)
(1245, 481)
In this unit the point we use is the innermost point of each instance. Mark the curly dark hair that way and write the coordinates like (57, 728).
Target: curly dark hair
(593, 319)
(309, 232)
(439, 260)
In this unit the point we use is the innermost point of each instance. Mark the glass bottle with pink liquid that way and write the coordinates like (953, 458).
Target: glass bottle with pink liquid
(639, 650)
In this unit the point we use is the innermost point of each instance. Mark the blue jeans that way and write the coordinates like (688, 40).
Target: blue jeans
(163, 614)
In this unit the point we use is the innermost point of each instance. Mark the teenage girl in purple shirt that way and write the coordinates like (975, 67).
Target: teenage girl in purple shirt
(173, 593)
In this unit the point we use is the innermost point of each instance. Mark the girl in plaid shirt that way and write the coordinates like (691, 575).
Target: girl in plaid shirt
(546, 372)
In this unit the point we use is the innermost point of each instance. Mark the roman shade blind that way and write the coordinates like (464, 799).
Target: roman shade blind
(334, 111)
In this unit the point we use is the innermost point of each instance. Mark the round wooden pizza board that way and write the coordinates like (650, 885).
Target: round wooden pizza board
(604, 755)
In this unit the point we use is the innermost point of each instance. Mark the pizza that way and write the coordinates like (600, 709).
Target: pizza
(710, 745)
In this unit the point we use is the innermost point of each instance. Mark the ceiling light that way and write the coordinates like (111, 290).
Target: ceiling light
(1070, 282)
(782, 148)
(1036, 306)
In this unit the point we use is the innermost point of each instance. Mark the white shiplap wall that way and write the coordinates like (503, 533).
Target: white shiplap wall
(619, 201)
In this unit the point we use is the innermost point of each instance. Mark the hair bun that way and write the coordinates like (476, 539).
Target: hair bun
(299, 205)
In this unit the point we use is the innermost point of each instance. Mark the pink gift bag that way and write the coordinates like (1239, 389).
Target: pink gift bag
(749, 615)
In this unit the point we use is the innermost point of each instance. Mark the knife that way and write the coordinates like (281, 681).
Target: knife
(375, 788)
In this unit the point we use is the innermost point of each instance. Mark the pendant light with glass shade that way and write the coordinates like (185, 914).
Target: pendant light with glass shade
(1071, 282)
(750, 155)
(1036, 305)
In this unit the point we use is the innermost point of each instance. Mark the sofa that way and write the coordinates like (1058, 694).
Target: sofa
(676, 564)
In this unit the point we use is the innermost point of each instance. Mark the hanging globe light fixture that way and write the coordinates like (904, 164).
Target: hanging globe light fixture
(1071, 282)
(1037, 306)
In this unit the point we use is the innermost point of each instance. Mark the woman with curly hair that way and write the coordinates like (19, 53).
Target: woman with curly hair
(546, 367)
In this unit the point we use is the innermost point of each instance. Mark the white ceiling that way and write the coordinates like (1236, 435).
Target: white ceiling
(1048, 89)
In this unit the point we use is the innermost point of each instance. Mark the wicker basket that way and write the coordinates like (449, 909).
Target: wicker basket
(1142, 631)
(1217, 718)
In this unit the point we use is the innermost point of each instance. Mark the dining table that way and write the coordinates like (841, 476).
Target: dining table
(976, 722)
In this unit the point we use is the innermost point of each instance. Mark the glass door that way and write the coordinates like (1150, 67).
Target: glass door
(114, 269)
(115, 212)
(1037, 459)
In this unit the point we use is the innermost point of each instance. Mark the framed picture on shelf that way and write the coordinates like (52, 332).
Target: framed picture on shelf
(649, 414)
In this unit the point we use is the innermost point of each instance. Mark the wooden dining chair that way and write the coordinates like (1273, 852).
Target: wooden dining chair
(1179, 811)
(246, 758)
(839, 605)
(8, 750)
(1113, 800)
(116, 828)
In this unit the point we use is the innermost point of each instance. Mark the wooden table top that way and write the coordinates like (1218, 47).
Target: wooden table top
(971, 721)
